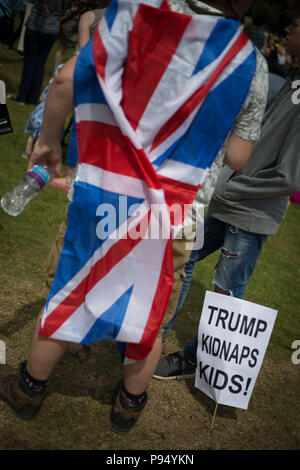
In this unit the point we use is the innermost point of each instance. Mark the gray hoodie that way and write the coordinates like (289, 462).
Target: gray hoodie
(256, 197)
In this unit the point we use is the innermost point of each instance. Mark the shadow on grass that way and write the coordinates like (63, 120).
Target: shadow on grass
(90, 371)
(22, 316)
(206, 402)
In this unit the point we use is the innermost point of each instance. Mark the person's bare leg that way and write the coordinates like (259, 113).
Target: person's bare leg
(44, 354)
(29, 145)
(138, 375)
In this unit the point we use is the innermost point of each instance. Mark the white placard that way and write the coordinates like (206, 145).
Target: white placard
(2, 352)
(232, 340)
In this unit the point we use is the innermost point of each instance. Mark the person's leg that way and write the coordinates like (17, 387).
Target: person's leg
(173, 365)
(29, 147)
(25, 392)
(44, 44)
(71, 160)
(44, 353)
(138, 375)
(30, 54)
(239, 253)
(238, 257)
(190, 351)
(132, 395)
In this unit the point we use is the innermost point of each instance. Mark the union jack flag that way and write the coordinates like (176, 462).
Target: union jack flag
(156, 95)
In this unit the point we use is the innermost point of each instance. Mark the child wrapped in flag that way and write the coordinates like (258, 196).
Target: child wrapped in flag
(156, 94)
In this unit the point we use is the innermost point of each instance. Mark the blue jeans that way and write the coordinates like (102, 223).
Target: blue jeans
(239, 253)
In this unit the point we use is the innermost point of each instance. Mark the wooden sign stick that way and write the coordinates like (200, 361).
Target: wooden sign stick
(214, 417)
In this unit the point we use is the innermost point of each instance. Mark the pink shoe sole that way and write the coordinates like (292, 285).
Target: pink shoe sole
(53, 182)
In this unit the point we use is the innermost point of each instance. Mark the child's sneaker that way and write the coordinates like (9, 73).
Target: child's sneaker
(174, 366)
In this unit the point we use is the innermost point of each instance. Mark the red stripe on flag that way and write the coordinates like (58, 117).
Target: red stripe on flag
(165, 5)
(104, 146)
(179, 197)
(159, 306)
(177, 190)
(187, 108)
(100, 54)
(97, 272)
(153, 41)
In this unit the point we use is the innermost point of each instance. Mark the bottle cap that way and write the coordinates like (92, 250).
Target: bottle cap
(40, 174)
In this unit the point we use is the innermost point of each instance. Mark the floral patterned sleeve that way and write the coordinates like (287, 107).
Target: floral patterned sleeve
(247, 126)
(248, 123)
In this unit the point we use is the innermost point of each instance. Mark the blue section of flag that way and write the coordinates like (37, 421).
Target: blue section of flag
(85, 70)
(201, 143)
(217, 42)
(111, 13)
(86, 230)
(108, 325)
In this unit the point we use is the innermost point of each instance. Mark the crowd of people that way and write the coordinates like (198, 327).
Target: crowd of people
(247, 188)
(273, 47)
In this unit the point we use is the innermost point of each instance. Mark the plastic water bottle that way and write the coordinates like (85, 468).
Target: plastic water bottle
(15, 201)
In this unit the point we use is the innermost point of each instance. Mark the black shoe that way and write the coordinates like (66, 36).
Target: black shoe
(124, 417)
(174, 366)
(12, 392)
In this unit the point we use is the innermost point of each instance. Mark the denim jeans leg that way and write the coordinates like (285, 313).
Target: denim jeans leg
(190, 350)
(239, 255)
(237, 261)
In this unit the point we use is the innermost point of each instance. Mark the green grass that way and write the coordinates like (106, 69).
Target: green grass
(76, 412)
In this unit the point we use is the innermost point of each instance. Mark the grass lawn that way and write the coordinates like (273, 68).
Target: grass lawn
(76, 412)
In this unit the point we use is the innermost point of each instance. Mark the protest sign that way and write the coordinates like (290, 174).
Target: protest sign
(232, 340)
